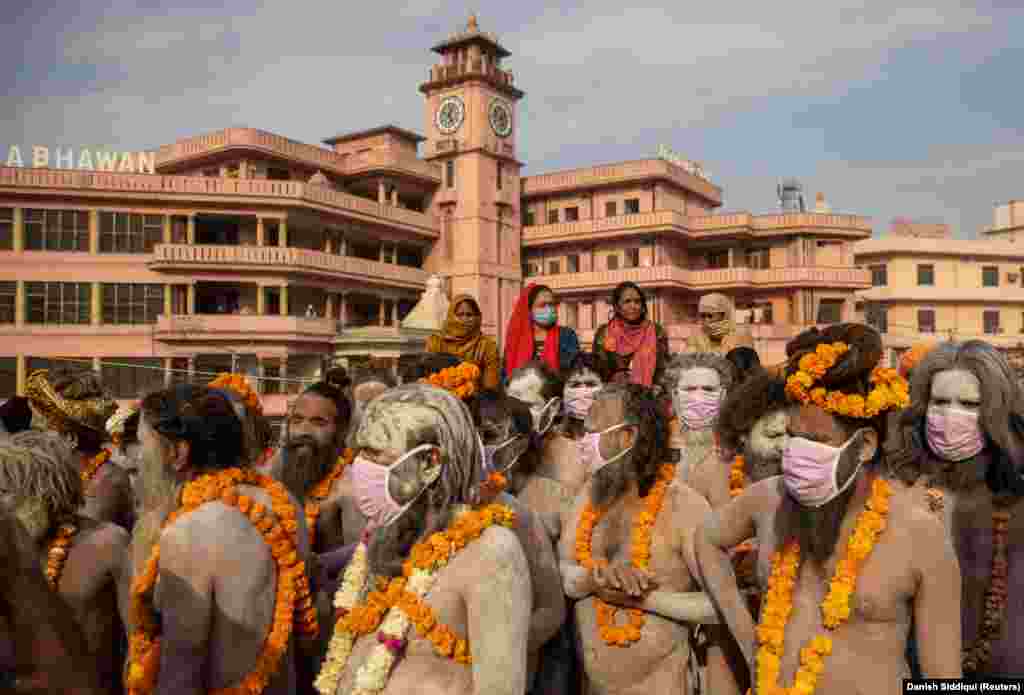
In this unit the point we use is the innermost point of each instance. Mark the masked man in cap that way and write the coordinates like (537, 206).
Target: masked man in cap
(74, 404)
(719, 332)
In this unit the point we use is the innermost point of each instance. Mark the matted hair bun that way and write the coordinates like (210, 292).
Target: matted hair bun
(337, 377)
(855, 365)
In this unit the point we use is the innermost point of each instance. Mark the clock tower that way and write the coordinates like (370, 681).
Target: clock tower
(471, 128)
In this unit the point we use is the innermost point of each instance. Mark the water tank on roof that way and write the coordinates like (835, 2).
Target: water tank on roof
(791, 196)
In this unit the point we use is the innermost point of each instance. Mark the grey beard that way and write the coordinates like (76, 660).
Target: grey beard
(609, 483)
(301, 470)
(390, 546)
(758, 468)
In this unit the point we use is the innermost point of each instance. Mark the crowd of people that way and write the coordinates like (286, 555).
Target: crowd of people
(539, 520)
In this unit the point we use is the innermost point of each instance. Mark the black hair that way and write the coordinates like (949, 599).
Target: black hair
(16, 414)
(530, 298)
(745, 359)
(203, 417)
(620, 290)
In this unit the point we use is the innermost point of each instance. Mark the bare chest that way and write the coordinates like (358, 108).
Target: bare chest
(616, 538)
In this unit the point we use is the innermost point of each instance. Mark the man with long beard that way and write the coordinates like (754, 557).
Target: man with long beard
(50, 654)
(73, 403)
(220, 596)
(843, 565)
(965, 429)
(456, 620)
(83, 558)
(627, 556)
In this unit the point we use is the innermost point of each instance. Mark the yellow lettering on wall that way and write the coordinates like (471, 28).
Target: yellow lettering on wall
(14, 157)
(85, 159)
(65, 160)
(40, 156)
(147, 162)
(106, 161)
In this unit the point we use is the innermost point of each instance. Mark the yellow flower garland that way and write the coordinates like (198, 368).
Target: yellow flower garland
(835, 608)
(461, 381)
(240, 385)
(643, 529)
(889, 390)
(57, 554)
(93, 465)
(293, 602)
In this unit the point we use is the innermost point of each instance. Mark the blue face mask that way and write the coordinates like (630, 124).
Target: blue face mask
(545, 316)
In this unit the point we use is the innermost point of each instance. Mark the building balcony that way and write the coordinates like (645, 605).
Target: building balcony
(186, 257)
(394, 162)
(193, 190)
(623, 173)
(709, 280)
(702, 227)
(251, 139)
(244, 330)
(1013, 294)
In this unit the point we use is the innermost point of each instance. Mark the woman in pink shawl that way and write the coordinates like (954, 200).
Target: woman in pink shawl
(631, 348)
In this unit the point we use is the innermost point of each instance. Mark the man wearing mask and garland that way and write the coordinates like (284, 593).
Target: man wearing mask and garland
(831, 527)
(718, 330)
(697, 384)
(966, 428)
(437, 596)
(627, 557)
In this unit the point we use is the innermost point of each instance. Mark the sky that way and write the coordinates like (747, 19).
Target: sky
(889, 107)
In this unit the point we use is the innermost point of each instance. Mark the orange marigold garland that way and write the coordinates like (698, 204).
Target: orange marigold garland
(293, 606)
(640, 556)
(889, 390)
(835, 608)
(240, 385)
(977, 656)
(93, 465)
(57, 554)
(320, 492)
(737, 477)
(461, 381)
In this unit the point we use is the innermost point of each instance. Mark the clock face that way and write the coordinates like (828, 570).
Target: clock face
(500, 116)
(450, 115)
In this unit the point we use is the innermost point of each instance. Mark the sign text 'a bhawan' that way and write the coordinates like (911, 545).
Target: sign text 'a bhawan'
(83, 159)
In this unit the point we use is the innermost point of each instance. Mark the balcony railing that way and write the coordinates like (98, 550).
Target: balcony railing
(392, 160)
(605, 226)
(199, 187)
(243, 327)
(186, 256)
(614, 174)
(718, 278)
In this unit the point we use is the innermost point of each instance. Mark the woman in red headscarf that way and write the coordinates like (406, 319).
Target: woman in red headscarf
(533, 333)
(631, 348)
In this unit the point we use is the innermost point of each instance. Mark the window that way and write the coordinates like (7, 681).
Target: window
(879, 275)
(132, 377)
(122, 232)
(611, 209)
(877, 316)
(277, 174)
(925, 320)
(409, 257)
(132, 304)
(8, 299)
(717, 259)
(572, 214)
(212, 173)
(991, 320)
(530, 269)
(499, 176)
(990, 276)
(1021, 274)
(552, 216)
(554, 267)
(528, 218)
(56, 230)
(632, 258)
(449, 173)
(58, 302)
(6, 229)
(572, 263)
(758, 259)
(632, 206)
(830, 311)
(926, 275)
(613, 262)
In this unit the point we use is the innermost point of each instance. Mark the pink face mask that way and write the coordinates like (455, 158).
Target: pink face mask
(578, 401)
(373, 495)
(954, 434)
(700, 409)
(589, 450)
(809, 471)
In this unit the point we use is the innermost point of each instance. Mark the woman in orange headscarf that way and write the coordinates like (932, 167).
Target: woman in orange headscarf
(462, 338)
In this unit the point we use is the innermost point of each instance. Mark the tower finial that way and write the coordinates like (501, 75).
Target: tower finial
(471, 25)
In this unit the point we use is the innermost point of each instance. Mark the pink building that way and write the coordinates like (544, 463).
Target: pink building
(248, 251)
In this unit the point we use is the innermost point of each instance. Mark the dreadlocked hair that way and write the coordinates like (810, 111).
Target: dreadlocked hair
(204, 418)
(48, 473)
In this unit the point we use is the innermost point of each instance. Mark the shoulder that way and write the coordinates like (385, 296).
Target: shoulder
(686, 500)
(102, 539)
(767, 493)
(499, 546)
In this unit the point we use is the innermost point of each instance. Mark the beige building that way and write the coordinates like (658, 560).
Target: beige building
(926, 284)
